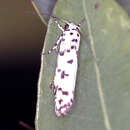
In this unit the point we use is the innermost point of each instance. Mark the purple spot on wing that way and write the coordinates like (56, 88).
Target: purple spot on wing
(71, 33)
(62, 39)
(59, 70)
(71, 100)
(64, 109)
(66, 74)
(65, 92)
(59, 89)
(72, 47)
(74, 40)
(60, 101)
(68, 50)
(70, 61)
(61, 53)
(61, 108)
(65, 105)
(77, 34)
(63, 74)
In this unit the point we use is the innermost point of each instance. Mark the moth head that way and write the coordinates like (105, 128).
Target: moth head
(71, 26)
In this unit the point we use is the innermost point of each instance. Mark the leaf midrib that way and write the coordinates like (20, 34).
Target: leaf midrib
(97, 71)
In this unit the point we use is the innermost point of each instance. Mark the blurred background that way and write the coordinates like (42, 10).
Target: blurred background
(21, 41)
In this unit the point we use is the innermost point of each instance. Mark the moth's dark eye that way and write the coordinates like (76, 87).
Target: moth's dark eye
(66, 26)
(77, 29)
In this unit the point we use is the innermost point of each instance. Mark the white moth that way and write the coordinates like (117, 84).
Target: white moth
(66, 70)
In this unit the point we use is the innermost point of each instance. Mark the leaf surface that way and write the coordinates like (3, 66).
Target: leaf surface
(102, 87)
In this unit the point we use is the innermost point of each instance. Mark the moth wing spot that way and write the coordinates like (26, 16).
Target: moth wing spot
(65, 93)
(62, 39)
(70, 61)
(71, 33)
(60, 101)
(74, 40)
(72, 47)
(59, 89)
(61, 53)
(59, 70)
(68, 50)
(63, 74)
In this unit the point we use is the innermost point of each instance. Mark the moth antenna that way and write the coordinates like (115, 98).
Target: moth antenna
(63, 20)
(55, 17)
(81, 22)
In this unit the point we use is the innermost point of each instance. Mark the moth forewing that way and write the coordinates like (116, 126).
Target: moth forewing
(66, 70)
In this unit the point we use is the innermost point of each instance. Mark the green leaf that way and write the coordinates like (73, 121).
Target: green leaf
(102, 88)
(125, 4)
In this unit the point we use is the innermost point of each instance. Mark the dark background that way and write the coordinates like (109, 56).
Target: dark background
(21, 40)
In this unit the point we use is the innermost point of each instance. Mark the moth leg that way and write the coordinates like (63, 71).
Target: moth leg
(53, 48)
(59, 26)
(52, 86)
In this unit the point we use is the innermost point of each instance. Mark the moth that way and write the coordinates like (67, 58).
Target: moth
(64, 81)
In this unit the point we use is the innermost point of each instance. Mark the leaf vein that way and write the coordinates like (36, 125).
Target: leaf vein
(99, 85)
